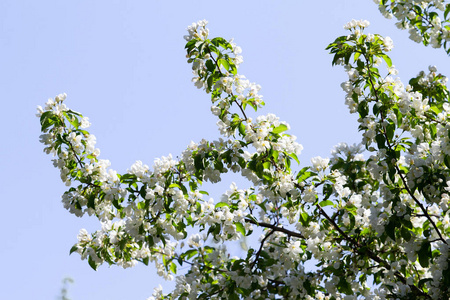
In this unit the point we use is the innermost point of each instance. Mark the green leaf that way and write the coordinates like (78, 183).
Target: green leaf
(304, 219)
(174, 185)
(189, 254)
(145, 260)
(116, 203)
(424, 254)
(223, 62)
(307, 286)
(91, 201)
(435, 109)
(326, 203)
(49, 119)
(363, 109)
(213, 49)
(210, 65)
(406, 235)
(190, 45)
(221, 204)
(294, 156)
(445, 274)
(433, 15)
(128, 178)
(141, 205)
(344, 286)
(327, 191)
(387, 59)
(74, 121)
(390, 129)
(251, 217)
(198, 162)
(173, 268)
(73, 249)
(447, 161)
(240, 228)
(233, 296)
(74, 113)
(280, 128)
(351, 216)
(433, 130)
(425, 280)
(218, 165)
(390, 229)
(92, 263)
(447, 10)
(242, 128)
(380, 141)
(214, 229)
(407, 223)
(233, 69)
(303, 174)
(46, 115)
(219, 41)
(376, 108)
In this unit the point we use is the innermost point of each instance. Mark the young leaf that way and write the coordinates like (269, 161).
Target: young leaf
(240, 228)
(326, 203)
(280, 128)
(221, 204)
(92, 263)
(387, 59)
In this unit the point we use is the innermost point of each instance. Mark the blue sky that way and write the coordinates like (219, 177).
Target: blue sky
(122, 64)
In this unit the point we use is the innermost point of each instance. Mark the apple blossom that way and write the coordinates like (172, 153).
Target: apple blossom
(376, 213)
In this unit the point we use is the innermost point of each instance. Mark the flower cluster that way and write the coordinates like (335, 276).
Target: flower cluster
(386, 217)
(422, 19)
(356, 23)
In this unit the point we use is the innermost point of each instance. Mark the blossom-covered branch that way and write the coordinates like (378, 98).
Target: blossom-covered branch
(385, 218)
(426, 21)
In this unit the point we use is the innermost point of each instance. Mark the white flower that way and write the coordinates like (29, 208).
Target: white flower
(83, 236)
(392, 70)
(139, 169)
(353, 74)
(319, 163)
(40, 111)
(85, 123)
(195, 240)
(310, 194)
(388, 44)
(157, 293)
(356, 23)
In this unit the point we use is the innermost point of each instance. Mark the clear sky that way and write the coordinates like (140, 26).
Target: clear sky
(122, 64)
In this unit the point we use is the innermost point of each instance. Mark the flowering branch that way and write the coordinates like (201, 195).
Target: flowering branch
(386, 217)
